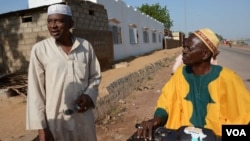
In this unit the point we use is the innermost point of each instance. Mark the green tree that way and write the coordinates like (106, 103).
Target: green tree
(157, 12)
(219, 37)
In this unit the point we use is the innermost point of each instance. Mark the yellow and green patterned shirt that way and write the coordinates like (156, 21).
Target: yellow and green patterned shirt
(211, 100)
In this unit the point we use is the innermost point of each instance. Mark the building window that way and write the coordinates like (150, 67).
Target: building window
(159, 37)
(133, 34)
(92, 12)
(145, 35)
(26, 19)
(116, 33)
(154, 37)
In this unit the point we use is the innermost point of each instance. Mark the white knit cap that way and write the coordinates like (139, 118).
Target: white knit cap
(59, 9)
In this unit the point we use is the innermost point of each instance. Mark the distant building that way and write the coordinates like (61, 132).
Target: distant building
(173, 39)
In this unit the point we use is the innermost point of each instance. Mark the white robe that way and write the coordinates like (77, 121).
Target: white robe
(55, 80)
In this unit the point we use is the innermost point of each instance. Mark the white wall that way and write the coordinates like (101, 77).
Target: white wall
(127, 15)
(38, 3)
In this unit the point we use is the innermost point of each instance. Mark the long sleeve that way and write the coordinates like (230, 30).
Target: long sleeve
(94, 76)
(36, 93)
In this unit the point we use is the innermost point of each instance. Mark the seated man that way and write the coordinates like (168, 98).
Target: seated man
(200, 94)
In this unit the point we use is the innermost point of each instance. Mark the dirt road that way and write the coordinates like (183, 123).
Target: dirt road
(138, 106)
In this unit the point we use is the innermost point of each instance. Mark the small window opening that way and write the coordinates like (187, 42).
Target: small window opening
(91, 12)
(26, 19)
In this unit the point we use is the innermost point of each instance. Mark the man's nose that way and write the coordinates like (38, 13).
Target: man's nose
(52, 24)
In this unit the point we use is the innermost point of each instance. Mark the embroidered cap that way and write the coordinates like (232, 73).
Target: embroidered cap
(209, 38)
(59, 9)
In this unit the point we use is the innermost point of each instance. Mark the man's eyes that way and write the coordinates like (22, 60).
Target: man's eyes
(188, 47)
(55, 21)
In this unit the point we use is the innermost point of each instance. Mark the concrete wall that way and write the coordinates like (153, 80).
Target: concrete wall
(170, 43)
(91, 23)
(20, 30)
(175, 41)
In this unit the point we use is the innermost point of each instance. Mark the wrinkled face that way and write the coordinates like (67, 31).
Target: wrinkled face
(59, 25)
(194, 51)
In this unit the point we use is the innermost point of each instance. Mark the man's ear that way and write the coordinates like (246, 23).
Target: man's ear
(207, 54)
(217, 52)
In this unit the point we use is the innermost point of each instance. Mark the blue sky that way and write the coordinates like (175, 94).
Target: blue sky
(229, 18)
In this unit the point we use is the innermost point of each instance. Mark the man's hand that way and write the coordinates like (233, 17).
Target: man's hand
(145, 129)
(45, 135)
(84, 102)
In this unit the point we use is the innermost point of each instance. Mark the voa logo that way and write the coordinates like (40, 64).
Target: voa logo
(236, 132)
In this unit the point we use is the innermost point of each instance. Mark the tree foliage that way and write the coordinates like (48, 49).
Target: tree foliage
(219, 37)
(157, 12)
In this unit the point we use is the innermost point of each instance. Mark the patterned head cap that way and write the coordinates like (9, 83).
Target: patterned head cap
(209, 38)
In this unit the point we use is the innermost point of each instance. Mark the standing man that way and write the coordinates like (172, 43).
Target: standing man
(63, 79)
(200, 94)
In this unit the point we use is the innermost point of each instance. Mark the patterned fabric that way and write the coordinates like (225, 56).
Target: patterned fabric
(209, 38)
(220, 97)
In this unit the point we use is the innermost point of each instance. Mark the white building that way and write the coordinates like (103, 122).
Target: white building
(134, 32)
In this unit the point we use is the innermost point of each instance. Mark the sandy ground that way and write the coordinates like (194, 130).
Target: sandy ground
(138, 106)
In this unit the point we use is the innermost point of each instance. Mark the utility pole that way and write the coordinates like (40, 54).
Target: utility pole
(185, 14)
